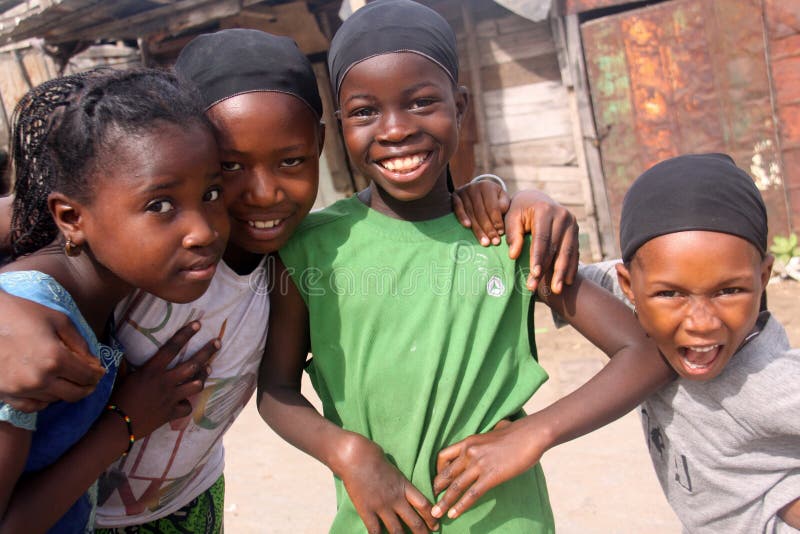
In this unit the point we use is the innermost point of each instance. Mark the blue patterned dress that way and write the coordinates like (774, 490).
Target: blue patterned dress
(59, 426)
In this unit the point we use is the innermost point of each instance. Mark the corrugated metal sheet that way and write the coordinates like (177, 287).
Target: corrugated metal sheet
(680, 77)
(783, 29)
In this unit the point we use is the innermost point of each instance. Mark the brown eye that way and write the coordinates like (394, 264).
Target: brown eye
(160, 206)
(292, 162)
(231, 166)
(212, 194)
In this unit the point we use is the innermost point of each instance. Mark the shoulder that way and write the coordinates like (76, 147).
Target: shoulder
(340, 212)
(760, 383)
(40, 288)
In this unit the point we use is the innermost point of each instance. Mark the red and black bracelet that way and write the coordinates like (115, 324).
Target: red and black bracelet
(131, 438)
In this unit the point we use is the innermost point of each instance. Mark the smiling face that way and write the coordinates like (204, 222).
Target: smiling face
(269, 146)
(697, 294)
(156, 218)
(400, 115)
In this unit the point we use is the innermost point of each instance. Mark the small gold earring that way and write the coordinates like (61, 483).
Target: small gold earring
(71, 249)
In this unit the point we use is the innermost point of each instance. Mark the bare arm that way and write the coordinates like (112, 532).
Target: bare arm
(380, 493)
(636, 369)
(151, 397)
(43, 358)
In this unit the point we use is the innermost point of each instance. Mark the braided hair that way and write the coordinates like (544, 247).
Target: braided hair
(65, 131)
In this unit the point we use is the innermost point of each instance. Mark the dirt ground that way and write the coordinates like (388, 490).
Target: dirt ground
(602, 483)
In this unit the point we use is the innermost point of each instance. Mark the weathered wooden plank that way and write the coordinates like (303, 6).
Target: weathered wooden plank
(170, 18)
(63, 17)
(515, 46)
(508, 24)
(565, 191)
(524, 113)
(333, 150)
(12, 85)
(550, 152)
(508, 129)
(586, 138)
(523, 72)
(478, 106)
(292, 19)
(524, 98)
(36, 66)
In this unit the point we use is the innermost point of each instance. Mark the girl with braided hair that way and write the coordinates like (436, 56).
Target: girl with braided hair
(117, 187)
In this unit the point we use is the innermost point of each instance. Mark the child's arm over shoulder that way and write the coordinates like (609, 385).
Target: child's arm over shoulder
(151, 397)
(636, 369)
(43, 358)
(485, 207)
(380, 493)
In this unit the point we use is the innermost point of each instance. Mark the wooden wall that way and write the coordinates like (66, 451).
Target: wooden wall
(529, 122)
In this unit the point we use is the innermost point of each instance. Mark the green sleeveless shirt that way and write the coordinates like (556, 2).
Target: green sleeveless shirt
(420, 337)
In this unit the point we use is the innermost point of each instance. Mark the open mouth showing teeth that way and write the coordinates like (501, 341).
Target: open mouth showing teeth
(261, 225)
(404, 164)
(691, 355)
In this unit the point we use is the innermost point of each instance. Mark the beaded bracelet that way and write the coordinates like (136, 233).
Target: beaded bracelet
(131, 438)
(491, 178)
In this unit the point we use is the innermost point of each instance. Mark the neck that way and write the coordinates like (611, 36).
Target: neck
(239, 260)
(436, 203)
(94, 288)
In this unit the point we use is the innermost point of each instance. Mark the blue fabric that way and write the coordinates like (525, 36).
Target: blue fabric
(59, 426)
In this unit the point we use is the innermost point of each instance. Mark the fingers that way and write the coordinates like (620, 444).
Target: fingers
(78, 365)
(459, 484)
(372, 523)
(460, 213)
(574, 257)
(567, 257)
(197, 365)
(421, 515)
(173, 346)
(515, 233)
(180, 410)
(477, 229)
(483, 219)
(474, 489)
(62, 389)
(444, 480)
(542, 252)
(391, 522)
(503, 203)
(447, 455)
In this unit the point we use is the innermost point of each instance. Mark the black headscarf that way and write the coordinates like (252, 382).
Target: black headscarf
(387, 26)
(232, 62)
(693, 192)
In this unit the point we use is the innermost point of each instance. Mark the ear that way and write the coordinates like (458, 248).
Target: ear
(461, 96)
(766, 269)
(68, 215)
(624, 279)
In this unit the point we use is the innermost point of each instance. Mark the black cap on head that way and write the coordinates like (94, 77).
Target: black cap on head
(231, 62)
(387, 26)
(693, 192)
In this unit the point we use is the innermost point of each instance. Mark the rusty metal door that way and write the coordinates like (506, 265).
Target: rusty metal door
(684, 76)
